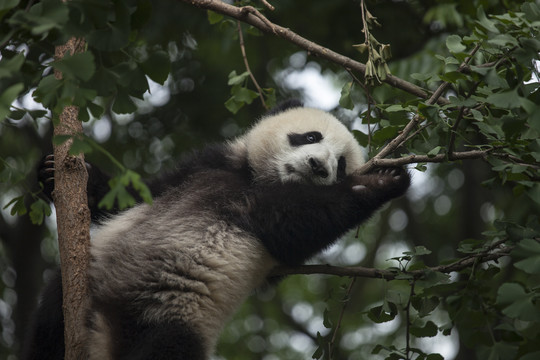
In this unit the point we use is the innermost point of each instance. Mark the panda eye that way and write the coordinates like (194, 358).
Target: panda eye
(311, 137)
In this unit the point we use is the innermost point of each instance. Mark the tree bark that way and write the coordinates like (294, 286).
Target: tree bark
(73, 221)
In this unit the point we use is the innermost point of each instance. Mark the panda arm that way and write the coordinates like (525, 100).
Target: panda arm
(213, 157)
(97, 186)
(296, 221)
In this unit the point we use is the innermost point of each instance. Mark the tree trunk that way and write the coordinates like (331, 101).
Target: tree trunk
(73, 221)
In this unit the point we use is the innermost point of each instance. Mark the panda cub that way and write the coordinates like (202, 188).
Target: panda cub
(164, 278)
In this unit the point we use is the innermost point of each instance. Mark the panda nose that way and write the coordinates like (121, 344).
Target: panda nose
(318, 168)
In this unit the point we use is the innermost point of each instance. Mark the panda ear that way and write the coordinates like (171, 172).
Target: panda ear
(284, 106)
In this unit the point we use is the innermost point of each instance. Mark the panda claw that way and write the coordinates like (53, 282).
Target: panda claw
(358, 188)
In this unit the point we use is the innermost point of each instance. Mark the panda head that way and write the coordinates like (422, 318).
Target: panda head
(302, 145)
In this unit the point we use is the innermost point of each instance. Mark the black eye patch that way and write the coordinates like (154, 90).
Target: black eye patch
(311, 137)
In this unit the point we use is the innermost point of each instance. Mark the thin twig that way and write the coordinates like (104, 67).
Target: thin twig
(408, 322)
(246, 64)
(365, 30)
(453, 131)
(340, 319)
(268, 5)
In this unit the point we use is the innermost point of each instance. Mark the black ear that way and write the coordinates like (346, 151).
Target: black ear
(285, 105)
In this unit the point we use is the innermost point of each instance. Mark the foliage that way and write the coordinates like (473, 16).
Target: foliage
(461, 261)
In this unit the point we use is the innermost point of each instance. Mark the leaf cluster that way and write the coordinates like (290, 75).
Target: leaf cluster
(111, 72)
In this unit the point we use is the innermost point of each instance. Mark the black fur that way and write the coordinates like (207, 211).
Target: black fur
(296, 221)
(45, 336)
(138, 340)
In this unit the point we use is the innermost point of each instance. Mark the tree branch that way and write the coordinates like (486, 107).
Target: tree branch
(253, 17)
(493, 253)
(73, 221)
(411, 159)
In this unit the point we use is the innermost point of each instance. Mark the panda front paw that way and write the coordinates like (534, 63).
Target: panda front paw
(386, 182)
(45, 174)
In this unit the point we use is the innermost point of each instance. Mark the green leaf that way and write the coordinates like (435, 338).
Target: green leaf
(47, 91)
(518, 303)
(499, 351)
(428, 330)
(394, 108)
(18, 206)
(425, 305)
(233, 106)
(141, 188)
(44, 17)
(452, 76)
(95, 109)
(157, 66)
(529, 249)
(214, 17)
(235, 79)
(9, 67)
(6, 5)
(118, 194)
(484, 22)
(60, 139)
(123, 104)
(384, 134)
(327, 321)
(435, 151)
(503, 40)
(383, 313)
(242, 94)
(531, 356)
(113, 34)
(421, 76)
(345, 100)
(453, 43)
(418, 251)
(79, 65)
(16, 114)
(507, 99)
(7, 97)
(363, 139)
(38, 210)
(79, 146)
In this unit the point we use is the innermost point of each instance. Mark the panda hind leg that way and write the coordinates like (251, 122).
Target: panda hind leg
(45, 335)
(165, 341)
(123, 337)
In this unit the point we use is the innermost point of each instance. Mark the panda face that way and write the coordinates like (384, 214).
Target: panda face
(309, 159)
(301, 145)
